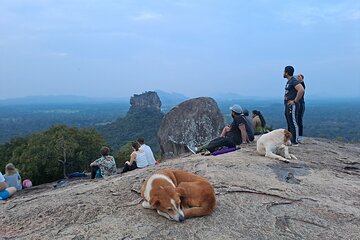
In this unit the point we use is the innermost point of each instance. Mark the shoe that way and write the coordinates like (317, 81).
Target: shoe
(191, 149)
(207, 153)
(295, 144)
(301, 140)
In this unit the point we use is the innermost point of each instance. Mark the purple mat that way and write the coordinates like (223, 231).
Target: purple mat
(222, 151)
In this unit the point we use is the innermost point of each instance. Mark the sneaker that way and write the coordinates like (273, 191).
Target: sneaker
(301, 140)
(207, 153)
(295, 144)
(192, 149)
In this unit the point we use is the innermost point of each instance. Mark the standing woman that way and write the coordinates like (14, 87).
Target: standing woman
(301, 109)
(137, 159)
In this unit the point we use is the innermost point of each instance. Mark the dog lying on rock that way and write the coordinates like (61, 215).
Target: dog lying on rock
(178, 195)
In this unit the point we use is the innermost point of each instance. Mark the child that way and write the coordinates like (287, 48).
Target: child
(12, 176)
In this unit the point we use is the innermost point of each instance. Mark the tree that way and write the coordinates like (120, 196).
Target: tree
(123, 154)
(38, 156)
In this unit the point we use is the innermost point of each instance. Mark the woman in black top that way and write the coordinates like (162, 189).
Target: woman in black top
(301, 109)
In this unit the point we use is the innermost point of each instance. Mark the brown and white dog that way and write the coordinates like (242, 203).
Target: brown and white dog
(178, 195)
(274, 145)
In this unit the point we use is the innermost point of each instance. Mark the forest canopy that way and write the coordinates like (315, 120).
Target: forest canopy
(47, 156)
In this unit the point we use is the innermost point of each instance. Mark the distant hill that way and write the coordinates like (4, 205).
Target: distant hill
(328, 118)
(58, 99)
(169, 100)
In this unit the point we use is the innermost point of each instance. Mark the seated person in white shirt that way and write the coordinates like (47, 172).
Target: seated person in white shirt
(148, 152)
(137, 159)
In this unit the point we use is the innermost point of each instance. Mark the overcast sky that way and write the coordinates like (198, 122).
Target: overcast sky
(115, 48)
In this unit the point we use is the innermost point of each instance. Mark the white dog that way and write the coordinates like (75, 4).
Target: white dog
(274, 145)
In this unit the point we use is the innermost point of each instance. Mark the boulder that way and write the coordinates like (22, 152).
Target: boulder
(191, 123)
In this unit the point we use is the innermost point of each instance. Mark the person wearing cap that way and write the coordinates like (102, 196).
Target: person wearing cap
(5, 190)
(106, 165)
(238, 132)
(12, 176)
(294, 91)
(300, 78)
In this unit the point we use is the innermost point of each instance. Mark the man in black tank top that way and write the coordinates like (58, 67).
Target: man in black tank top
(294, 91)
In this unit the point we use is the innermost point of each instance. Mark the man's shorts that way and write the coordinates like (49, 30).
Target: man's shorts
(4, 194)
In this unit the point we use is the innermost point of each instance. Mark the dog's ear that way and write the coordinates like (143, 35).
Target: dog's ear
(180, 191)
(287, 136)
(154, 202)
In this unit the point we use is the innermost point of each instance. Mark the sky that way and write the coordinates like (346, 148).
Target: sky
(116, 48)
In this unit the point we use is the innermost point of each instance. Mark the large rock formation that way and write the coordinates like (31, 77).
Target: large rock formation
(145, 100)
(142, 120)
(256, 199)
(193, 122)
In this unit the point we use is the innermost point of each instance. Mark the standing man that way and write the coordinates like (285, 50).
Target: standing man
(148, 152)
(294, 91)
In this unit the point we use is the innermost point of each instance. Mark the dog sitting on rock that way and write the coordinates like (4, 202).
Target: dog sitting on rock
(275, 145)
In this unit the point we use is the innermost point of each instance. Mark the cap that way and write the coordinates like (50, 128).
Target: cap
(236, 108)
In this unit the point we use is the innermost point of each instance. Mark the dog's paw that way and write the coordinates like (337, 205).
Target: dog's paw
(146, 204)
(293, 157)
(282, 159)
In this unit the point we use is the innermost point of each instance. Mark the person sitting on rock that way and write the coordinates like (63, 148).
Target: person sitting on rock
(5, 190)
(148, 152)
(106, 165)
(238, 132)
(249, 120)
(259, 122)
(12, 177)
(137, 159)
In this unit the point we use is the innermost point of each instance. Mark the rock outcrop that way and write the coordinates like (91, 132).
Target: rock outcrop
(142, 120)
(145, 100)
(193, 122)
(255, 200)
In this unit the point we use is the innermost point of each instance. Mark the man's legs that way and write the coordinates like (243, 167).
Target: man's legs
(128, 167)
(220, 142)
(93, 171)
(291, 115)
